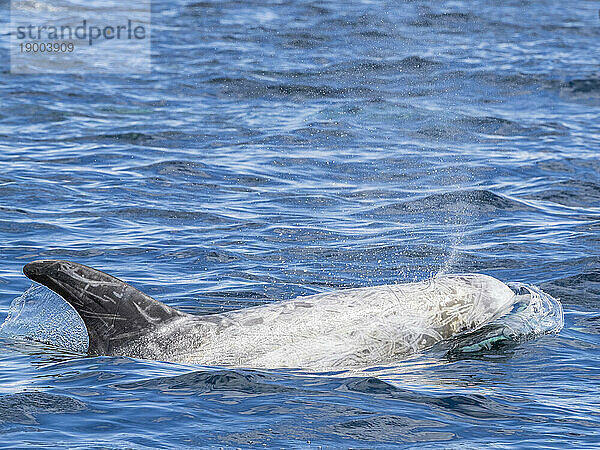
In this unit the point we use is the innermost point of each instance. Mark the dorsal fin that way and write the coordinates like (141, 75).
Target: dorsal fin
(114, 312)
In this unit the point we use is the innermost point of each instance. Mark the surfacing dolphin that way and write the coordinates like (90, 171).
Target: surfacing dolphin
(348, 328)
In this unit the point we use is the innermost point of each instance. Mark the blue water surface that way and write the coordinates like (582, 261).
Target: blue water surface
(284, 148)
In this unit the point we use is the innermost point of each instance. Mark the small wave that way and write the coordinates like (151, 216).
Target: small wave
(389, 428)
(582, 289)
(482, 200)
(476, 406)
(22, 407)
(131, 137)
(588, 87)
(575, 193)
(497, 126)
(175, 167)
(209, 381)
(447, 18)
(22, 228)
(409, 63)
(248, 88)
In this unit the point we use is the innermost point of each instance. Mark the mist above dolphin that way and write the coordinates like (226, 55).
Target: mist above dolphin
(348, 328)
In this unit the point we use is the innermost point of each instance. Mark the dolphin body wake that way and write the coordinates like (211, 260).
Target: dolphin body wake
(349, 328)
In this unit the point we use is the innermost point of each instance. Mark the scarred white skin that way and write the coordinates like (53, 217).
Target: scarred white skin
(344, 329)
(348, 328)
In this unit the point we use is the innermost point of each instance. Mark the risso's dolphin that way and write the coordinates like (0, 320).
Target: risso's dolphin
(348, 328)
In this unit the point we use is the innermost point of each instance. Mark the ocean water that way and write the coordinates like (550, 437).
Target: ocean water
(289, 148)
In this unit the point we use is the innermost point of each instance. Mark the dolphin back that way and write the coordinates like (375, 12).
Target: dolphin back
(114, 312)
